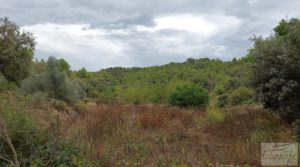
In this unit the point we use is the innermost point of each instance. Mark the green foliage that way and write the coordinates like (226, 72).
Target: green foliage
(297, 130)
(16, 51)
(189, 95)
(276, 69)
(83, 73)
(241, 96)
(6, 85)
(155, 84)
(108, 96)
(222, 101)
(34, 146)
(220, 89)
(55, 83)
(63, 65)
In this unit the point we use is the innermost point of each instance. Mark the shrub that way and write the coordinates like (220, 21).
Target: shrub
(215, 115)
(220, 90)
(33, 146)
(222, 101)
(55, 83)
(60, 105)
(276, 69)
(6, 85)
(39, 100)
(189, 95)
(240, 96)
(297, 130)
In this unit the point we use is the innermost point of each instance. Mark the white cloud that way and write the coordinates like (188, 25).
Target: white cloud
(96, 48)
(193, 23)
(80, 44)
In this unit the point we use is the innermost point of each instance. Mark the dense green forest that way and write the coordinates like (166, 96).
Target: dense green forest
(31, 90)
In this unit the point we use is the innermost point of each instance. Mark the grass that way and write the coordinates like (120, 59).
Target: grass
(215, 115)
(158, 135)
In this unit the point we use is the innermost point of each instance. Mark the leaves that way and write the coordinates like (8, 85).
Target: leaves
(16, 51)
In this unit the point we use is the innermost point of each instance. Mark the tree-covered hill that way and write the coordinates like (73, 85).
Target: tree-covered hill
(154, 84)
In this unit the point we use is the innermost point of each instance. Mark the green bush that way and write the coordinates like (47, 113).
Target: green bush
(220, 90)
(297, 129)
(6, 85)
(222, 101)
(276, 69)
(189, 95)
(240, 96)
(55, 83)
(34, 146)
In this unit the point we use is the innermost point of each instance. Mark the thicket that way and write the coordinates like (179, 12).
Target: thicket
(155, 84)
(55, 83)
(24, 143)
(276, 69)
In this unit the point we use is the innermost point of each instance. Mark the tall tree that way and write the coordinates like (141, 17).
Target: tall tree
(277, 69)
(16, 50)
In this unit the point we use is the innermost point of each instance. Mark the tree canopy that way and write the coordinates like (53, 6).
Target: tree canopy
(276, 70)
(16, 51)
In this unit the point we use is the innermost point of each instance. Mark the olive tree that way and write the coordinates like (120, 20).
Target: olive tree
(55, 83)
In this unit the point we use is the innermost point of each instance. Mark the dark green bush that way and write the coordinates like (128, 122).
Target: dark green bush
(276, 69)
(189, 95)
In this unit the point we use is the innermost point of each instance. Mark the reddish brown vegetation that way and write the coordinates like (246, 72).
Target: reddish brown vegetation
(148, 135)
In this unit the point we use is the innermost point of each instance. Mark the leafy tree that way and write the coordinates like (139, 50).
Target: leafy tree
(189, 95)
(63, 65)
(55, 82)
(16, 51)
(83, 73)
(276, 69)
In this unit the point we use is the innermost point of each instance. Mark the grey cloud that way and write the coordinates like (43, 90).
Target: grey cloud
(119, 20)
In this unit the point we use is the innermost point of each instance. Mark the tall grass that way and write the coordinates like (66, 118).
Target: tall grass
(157, 135)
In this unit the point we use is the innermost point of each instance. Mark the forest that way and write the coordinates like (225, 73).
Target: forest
(200, 112)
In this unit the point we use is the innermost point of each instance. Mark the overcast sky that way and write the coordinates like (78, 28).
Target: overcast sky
(97, 34)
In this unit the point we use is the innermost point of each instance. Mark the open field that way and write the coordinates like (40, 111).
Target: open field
(158, 135)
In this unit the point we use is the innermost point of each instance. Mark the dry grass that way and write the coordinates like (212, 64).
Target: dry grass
(149, 135)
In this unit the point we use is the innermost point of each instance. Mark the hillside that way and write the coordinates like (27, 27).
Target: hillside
(201, 112)
(154, 84)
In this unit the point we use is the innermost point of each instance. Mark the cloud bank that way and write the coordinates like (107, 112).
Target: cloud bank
(98, 34)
